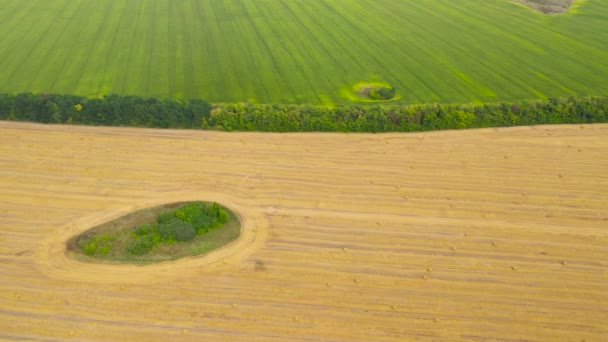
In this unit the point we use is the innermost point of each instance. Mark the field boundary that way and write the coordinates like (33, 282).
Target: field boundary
(133, 111)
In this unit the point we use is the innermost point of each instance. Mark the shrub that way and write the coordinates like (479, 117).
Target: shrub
(144, 229)
(189, 211)
(104, 250)
(219, 214)
(202, 223)
(176, 230)
(222, 216)
(382, 93)
(141, 245)
(165, 229)
(184, 232)
(204, 217)
(90, 248)
(98, 245)
(165, 217)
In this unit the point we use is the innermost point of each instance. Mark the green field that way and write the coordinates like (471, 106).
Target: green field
(302, 51)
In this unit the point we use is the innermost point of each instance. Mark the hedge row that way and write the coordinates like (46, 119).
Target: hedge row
(115, 110)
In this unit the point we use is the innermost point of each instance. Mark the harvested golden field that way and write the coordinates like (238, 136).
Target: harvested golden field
(492, 234)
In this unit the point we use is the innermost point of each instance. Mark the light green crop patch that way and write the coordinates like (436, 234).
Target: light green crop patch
(357, 91)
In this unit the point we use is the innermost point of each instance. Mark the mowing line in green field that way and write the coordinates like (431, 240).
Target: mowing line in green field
(250, 51)
(16, 71)
(109, 80)
(312, 50)
(191, 83)
(268, 56)
(297, 66)
(13, 16)
(98, 50)
(45, 58)
(174, 40)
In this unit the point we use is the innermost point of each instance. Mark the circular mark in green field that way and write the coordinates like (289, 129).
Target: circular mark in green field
(370, 92)
(160, 233)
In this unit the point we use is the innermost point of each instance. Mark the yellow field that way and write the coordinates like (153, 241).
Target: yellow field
(494, 234)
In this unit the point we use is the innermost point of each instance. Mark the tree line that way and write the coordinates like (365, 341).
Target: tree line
(135, 111)
(111, 110)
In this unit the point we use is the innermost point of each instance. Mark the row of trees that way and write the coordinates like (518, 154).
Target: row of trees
(114, 110)
(407, 118)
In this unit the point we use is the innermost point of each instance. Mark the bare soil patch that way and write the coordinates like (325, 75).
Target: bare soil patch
(547, 6)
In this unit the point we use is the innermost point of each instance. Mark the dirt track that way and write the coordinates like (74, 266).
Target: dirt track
(495, 234)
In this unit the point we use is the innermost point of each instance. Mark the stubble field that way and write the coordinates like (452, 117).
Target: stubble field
(493, 234)
(313, 51)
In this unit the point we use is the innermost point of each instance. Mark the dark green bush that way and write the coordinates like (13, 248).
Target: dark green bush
(176, 230)
(141, 245)
(165, 229)
(382, 93)
(165, 217)
(144, 229)
(189, 211)
(203, 216)
(184, 232)
(202, 223)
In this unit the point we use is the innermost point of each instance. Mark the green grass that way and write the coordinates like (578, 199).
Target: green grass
(296, 51)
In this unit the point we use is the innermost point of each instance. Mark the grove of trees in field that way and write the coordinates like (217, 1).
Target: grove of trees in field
(115, 110)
